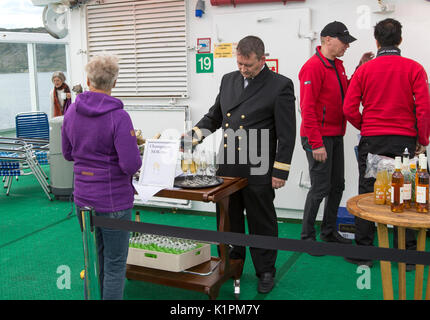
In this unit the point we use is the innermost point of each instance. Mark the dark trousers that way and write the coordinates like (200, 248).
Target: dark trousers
(327, 181)
(390, 146)
(257, 200)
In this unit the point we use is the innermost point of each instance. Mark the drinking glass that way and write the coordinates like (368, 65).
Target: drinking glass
(197, 159)
(212, 166)
(186, 160)
(204, 166)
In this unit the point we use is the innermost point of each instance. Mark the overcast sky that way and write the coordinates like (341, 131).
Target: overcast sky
(20, 14)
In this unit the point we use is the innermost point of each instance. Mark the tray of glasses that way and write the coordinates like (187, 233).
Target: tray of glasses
(197, 182)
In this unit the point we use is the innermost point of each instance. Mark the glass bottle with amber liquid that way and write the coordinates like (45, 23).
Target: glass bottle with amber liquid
(407, 185)
(397, 181)
(418, 171)
(413, 170)
(422, 188)
(379, 188)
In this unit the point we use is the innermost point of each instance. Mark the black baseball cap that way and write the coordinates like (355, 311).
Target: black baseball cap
(338, 30)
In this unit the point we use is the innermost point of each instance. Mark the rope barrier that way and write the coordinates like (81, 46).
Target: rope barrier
(268, 242)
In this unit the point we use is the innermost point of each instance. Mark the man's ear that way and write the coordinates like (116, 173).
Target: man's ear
(378, 45)
(114, 84)
(263, 60)
(88, 82)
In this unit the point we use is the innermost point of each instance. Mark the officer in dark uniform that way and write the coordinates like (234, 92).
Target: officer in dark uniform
(256, 110)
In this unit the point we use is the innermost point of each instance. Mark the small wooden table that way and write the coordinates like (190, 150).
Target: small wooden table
(219, 269)
(363, 206)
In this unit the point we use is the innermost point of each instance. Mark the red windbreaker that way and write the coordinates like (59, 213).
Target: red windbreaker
(395, 96)
(321, 99)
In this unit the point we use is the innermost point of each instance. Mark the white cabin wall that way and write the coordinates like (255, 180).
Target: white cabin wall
(203, 88)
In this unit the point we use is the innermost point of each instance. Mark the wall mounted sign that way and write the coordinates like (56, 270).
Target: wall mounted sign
(225, 50)
(273, 65)
(204, 63)
(204, 45)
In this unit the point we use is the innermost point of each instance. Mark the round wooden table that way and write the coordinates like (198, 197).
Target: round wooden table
(363, 206)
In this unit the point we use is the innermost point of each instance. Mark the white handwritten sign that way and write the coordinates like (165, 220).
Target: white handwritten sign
(158, 167)
(159, 163)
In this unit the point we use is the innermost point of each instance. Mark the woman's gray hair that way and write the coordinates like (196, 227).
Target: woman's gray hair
(59, 75)
(102, 71)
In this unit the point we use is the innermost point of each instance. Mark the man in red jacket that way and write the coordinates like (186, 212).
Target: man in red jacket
(396, 113)
(323, 84)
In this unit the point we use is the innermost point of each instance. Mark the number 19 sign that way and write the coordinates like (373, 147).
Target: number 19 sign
(205, 63)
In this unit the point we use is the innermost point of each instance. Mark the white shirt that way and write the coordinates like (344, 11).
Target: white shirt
(61, 101)
(245, 80)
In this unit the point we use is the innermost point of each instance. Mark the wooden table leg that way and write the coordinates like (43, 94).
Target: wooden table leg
(419, 270)
(402, 266)
(224, 226)
(387, 281)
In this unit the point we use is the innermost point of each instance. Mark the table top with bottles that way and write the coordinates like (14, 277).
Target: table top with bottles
(363, 206)
(400, 197)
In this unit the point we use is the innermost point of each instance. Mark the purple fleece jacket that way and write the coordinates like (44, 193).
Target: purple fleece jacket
(98, 135)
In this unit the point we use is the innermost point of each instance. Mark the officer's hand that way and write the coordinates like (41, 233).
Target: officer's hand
(366, 57)
(187, 137)
(277, 183)
(320, 154)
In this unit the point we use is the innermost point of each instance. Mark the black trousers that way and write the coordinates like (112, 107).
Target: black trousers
(390, 146)
(261, 218)
(327, 181)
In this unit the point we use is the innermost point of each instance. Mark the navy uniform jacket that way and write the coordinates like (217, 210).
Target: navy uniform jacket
(266, 103)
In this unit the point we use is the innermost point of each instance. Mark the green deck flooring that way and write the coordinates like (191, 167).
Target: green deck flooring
(39, 245)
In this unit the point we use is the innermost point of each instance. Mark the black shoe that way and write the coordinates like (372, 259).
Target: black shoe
(266, 282)
(335, 237)
(410, 267)
(360, 262)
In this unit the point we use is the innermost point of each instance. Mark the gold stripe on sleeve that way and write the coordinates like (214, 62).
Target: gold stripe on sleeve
(281, 166)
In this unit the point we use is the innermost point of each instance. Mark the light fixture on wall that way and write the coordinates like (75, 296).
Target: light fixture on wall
(54, 15)
(200, 8)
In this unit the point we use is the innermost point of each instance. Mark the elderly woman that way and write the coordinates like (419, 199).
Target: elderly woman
(60, 95)
(98, 136)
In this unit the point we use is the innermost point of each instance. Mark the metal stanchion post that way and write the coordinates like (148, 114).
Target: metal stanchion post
(92, 282)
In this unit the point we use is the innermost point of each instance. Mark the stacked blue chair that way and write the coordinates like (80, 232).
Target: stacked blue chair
(42, 157)
(9, 167)
(34, 128)
(33, 125)
(15, 157)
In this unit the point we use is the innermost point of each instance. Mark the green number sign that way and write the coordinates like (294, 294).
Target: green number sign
(205, 63)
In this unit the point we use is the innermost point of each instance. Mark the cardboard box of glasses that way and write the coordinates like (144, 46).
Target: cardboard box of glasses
(166, 253)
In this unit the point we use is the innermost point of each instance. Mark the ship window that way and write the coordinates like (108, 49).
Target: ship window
(50, 58)
(28, 60)
(14, 83)
(149, 37)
